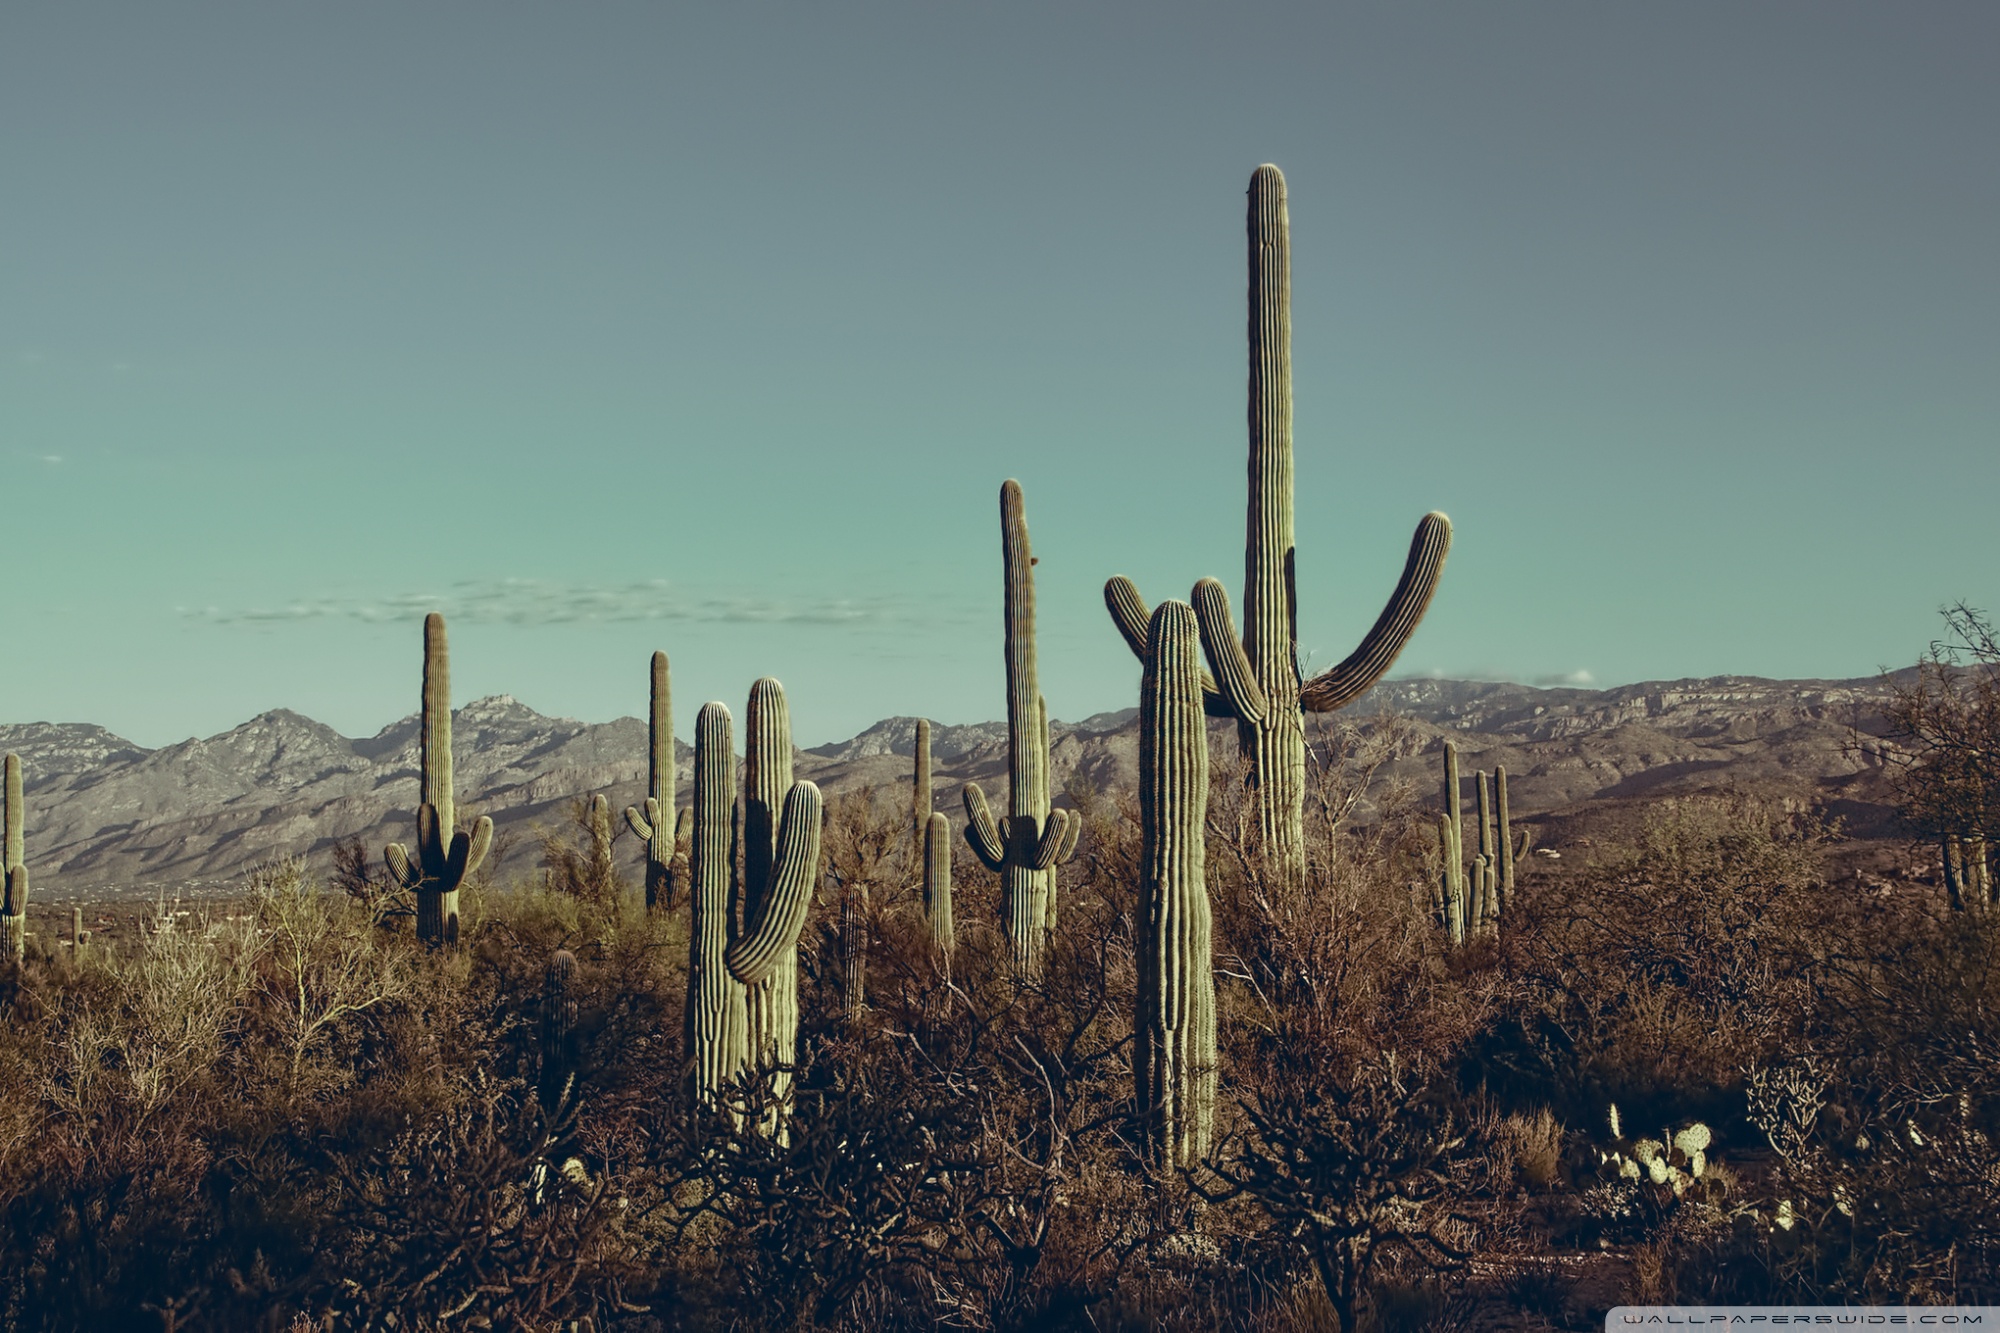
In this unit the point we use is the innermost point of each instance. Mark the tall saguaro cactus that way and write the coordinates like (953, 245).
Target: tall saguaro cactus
(14, 904)
(921, 798)
(1175, 1065)
(445, 854)
(729, 967)
(1026, 845)
(1256, 678)
(657, 825)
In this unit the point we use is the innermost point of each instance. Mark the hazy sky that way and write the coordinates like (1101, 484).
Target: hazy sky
(613, 327)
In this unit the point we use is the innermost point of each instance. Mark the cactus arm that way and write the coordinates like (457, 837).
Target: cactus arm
(17, 891)
(479, 844)
(397, 858)
(795, 867)
(1129, 614)
(1069, 837)
(1238, 683)
(642, 825)
(684, 827)
(1055, 832)
(980, 831)
(1346, 682)
(432, 850)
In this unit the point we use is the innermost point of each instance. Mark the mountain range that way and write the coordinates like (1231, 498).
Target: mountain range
(106, 817)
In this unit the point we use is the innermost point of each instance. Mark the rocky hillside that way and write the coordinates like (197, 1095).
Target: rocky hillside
(106, 815)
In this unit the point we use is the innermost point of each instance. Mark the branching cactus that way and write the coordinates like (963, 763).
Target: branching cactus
(445, 855)
(656, 824)
(1175, 1067)
(728, 964)
(1026, 845)
(1256, 678)
(558, 1073)
(937, 889)
(14, 905)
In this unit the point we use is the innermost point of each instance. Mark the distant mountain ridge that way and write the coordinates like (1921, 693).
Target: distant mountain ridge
(106, 814)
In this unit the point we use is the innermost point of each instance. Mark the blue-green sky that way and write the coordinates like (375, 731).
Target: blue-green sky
(614, 327)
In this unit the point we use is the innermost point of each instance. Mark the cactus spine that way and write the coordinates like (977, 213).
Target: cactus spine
(1025, 847)
(445, 855)
(14, 905)
(937, 888)
(656, 824)
(1175, 1068)
(1256, 679)
(558, 1032)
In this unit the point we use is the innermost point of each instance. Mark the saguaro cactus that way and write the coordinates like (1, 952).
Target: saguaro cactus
(937, 888)
(603, 871)
(1026, 846)
(853, 947)
(558, 1073)
(657, 824)
(1175, 1067)
(727, 965)
(1509, 848)
(1256, 679)
(445, 854)
(716, 1025)
(14, 903)
(921, 798)
(1451, 847)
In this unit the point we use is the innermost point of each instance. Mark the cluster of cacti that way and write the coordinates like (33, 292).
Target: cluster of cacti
(657, 826)
(1256, 678)
(742, 1007)
(1174, 1065)
(1968, 878)
(14, 904)
(445, 853)
(1472, 897)
(1027, 845)
(1675, 1162)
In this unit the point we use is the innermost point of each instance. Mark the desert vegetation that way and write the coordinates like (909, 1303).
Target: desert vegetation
(1268, 1043)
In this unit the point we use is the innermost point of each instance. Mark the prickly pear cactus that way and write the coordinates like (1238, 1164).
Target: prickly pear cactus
(656, 824)
(1026, 845)
(14, 902)
(1256, 678)
(445, 855)
(1175, 1066)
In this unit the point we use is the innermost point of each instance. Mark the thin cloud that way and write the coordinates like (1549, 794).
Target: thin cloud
(52, 459)
(1574, 679)
(547, 602)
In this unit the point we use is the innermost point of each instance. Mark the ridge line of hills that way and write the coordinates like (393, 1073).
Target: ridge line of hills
(104, 815)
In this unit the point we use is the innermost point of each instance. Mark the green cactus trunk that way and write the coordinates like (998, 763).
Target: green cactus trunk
(445, 856)
(1174, 1069)
(14, 899)
(1256, 679)
(656, 824)
(853, 948)
(717, 1029)
(1504, 844)
(1458, 897)
(937, 889)
(603, 871)
(922, 800)
(1024, 847)
(557, 1085)
(773, 1003)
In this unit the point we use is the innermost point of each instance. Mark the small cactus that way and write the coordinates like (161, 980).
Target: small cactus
(558, 1073)
(14, 904)
(853, 948)
(937, 888)
(446, 855)
(1174, 1069)
(656, 824)
(1026, 846)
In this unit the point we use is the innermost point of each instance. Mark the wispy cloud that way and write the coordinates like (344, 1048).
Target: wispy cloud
(548, 602)
(1578, 679)
(52, 459)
